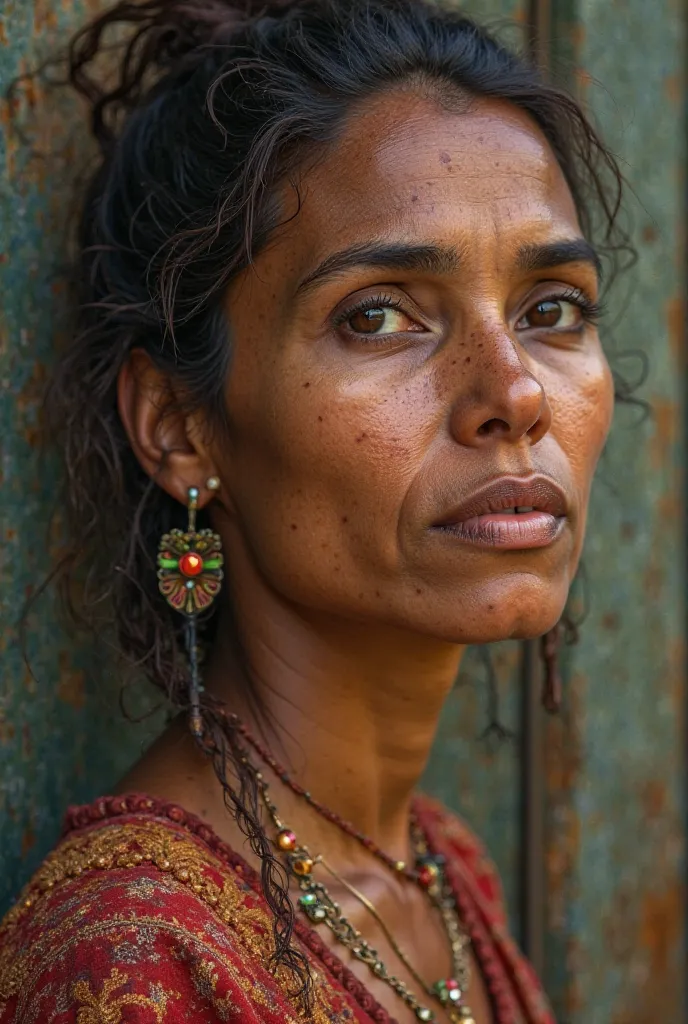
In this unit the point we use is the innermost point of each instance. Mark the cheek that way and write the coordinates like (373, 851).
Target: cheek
(324, 467)
(582, 413)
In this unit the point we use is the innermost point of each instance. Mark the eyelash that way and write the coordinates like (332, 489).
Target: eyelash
(592, 311)
(371, 302)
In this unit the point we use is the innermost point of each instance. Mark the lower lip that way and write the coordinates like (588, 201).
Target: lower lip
(508, 532)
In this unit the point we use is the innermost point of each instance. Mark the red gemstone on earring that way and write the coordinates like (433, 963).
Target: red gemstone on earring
(191, 564)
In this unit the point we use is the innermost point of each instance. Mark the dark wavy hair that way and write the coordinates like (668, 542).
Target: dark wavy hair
(212, 106)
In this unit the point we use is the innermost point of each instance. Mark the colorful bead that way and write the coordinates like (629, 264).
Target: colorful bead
(423, 1013)
(302, 866)
(286, 840)
(313, 908)
(448, 990)
(191, 564)
(428, 874)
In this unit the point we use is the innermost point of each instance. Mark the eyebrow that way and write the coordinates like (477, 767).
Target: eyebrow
(444, 259)
(536, 256)
(434, 259)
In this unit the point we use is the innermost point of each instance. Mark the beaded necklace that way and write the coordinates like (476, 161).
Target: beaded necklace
(317, 904)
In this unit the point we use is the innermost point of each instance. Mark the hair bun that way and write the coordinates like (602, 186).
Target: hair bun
(188, 25)
(159, 36)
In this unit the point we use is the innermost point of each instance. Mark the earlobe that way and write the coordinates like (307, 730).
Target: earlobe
(158, 429)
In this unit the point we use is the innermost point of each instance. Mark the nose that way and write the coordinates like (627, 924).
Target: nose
(499, 399)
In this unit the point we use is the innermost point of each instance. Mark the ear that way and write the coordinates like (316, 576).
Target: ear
(168, 444)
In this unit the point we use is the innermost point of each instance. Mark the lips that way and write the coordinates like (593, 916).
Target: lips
(512, 512)
(536, 493)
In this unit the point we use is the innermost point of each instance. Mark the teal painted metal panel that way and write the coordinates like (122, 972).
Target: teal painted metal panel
(61, 734)
(616, 761)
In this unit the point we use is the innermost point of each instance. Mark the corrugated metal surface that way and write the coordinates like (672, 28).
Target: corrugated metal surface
(615, 772)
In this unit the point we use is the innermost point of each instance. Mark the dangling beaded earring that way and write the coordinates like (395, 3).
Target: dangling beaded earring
(551, 686)
(190, 575)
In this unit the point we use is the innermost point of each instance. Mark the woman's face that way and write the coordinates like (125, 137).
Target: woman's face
(413, 354)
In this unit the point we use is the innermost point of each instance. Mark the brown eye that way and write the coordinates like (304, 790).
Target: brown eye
(550, 313)
(367, 321)
(381, 320)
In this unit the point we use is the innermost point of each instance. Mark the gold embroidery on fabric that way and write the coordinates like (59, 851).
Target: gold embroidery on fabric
(131, 846)
(107, 1008)
(205, 978)
(181, 861)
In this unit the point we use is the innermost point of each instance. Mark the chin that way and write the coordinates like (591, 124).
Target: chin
(503, 611)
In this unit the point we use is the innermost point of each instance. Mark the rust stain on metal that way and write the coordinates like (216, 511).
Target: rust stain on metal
(610, 621)
(665, 420)
(28, 841)
(654, 798)
(676, 324)
(71, 683)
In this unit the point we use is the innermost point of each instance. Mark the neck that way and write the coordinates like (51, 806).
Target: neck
(350, 709)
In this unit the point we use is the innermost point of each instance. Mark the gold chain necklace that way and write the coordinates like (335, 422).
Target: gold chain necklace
(320, 908)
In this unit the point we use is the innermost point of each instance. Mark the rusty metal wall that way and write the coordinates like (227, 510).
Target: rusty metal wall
(61, 735)
(616, 768)
(604, 901)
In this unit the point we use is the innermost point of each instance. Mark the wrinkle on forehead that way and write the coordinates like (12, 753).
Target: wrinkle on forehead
(400, 150)
(407, 167)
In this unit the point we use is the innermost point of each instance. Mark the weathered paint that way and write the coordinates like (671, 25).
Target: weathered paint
(615, 760)
(61, 734)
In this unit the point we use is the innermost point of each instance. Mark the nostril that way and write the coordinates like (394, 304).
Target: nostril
(493, 426)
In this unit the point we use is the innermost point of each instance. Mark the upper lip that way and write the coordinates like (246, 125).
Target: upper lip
(537, 492)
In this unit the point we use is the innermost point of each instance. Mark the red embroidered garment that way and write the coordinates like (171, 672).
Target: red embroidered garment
(142, 915)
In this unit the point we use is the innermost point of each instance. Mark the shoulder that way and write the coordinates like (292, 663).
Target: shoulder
(456, 841)
(135, 919)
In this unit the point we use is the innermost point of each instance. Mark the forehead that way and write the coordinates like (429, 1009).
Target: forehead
(404, 167)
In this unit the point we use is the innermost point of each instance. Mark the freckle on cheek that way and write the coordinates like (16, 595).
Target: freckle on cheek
(345, 519)
(294, 526)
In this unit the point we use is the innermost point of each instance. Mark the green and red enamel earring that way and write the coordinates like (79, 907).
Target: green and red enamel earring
(190, 577)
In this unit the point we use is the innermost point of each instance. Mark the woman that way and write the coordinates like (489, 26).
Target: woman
(338, 343)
